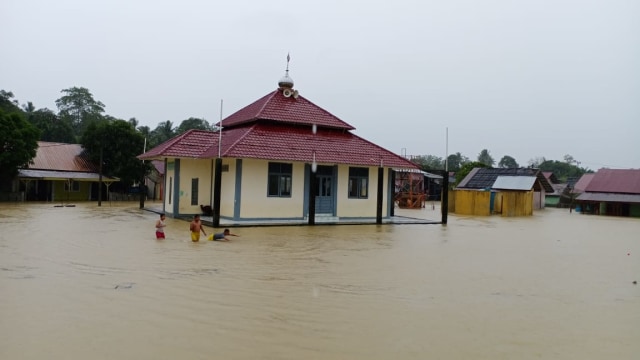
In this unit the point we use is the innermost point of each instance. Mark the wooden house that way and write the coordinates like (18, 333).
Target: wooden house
(510, 192)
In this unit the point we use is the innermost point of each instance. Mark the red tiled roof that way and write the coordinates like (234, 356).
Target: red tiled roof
(276, 107)
(61, 157)
(281, 142)
(622, 181)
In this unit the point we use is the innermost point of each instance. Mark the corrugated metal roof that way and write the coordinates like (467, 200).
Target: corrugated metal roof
(609, 197)
(62, 175)
(484, 178)
(60, 156)
(514, 183)
(625, 181)
(581, 184)
(424, 173)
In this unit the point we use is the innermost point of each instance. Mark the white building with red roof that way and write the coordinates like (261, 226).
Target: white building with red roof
(277, 153)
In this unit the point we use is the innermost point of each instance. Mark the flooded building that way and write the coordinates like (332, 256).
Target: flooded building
(281, 156)
(509, 192)
(610, 192)
(60, 172)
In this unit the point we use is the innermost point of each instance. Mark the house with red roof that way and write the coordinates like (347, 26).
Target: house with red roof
(611, 192)
(282, 158)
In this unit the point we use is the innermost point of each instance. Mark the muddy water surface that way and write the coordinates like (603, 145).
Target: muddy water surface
(90, 282)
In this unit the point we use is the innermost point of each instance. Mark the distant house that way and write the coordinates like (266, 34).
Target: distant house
(552, 199)
(280, 154)
(611, 192)
(154, 181)
(510, 192)
(60, 172)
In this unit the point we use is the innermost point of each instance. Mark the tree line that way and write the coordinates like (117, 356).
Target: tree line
(81, 119)
(564, 170)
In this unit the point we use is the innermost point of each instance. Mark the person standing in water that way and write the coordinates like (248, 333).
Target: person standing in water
(160, 227)
(195, 228)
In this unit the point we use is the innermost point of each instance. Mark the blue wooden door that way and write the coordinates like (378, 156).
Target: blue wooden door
(324, 190)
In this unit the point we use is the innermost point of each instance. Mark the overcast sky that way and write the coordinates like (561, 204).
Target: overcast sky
(522, 78)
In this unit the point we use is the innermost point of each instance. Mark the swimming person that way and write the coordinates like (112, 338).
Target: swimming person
(221, 236)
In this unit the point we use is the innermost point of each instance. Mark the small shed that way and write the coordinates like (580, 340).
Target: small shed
(510, 192)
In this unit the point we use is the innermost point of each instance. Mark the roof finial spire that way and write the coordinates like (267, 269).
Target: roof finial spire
(288, 59)
(286, 82)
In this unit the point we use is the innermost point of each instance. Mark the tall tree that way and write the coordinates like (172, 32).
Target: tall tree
(486, 158)
(508, 162)
(79, 109)
(163, 132)
(120, 144)
(18, 144)
(456, 161)
(429, 162)
(51, 127)
(193, 123)
(8, 103)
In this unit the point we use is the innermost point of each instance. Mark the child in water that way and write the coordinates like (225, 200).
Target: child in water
(221, 236)
(160, 227)
(195, 228)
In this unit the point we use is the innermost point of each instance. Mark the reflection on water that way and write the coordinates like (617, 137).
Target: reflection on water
(93, 283)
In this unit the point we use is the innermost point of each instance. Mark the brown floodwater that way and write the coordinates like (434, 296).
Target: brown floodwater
(90, 282)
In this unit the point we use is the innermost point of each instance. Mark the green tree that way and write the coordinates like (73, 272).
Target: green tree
(79, 109)
(456, 161)
(8, 103)
(163, 132)
(508, 162)
(51, 127)
(429, 162)
(562, 170)
(120, 144)
(18, 144)
(193, 123)
(486, 158)
(466, 169)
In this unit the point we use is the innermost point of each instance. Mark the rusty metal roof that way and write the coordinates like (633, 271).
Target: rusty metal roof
(581, 184)
(622, 181)
(61, 157)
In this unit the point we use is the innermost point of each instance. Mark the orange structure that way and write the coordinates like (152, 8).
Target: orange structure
(410, 190)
